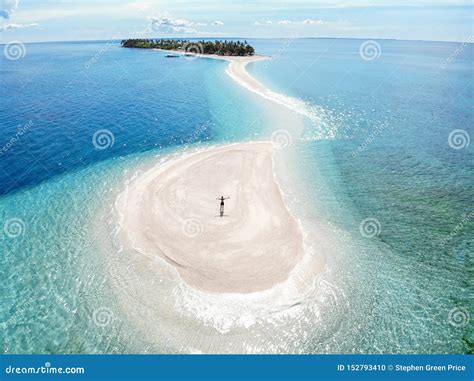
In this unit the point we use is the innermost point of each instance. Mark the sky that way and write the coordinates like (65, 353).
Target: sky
(62, 20)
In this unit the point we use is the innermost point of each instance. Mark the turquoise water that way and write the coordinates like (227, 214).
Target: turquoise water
(376, 146)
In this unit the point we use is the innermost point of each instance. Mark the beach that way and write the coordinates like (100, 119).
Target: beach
(91, 229)
(236, 69)
(171, 212)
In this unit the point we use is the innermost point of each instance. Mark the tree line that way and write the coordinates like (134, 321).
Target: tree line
(221, 48)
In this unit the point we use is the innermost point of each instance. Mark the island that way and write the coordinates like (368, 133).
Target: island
(206, 250)
(217, 47)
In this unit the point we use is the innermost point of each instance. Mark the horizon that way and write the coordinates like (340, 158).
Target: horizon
(243, 38)
(52, 21)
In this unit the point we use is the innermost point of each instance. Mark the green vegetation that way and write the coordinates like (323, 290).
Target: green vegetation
(221, 48)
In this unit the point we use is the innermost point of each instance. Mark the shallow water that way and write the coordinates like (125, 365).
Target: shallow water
(71, 288)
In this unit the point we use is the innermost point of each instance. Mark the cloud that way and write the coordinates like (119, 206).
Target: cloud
(17, 26)
(309, 21)
(324, 23)
(258, 23)
(8, 7)
(171, 25)
(168, 24)
(285, 22)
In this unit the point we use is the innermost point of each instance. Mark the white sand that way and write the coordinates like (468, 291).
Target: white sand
(238, 73)
(171, 211)
(236, 69)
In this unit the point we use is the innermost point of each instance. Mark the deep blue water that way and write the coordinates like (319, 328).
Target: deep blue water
(381, 150)
(146, 102)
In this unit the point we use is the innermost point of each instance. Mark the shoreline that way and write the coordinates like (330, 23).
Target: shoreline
(237, 71)
(172, 254)
(170, 212)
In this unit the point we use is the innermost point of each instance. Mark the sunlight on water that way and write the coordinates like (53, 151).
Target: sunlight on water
(367, 172)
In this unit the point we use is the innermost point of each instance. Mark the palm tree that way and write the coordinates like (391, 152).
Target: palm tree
(222, 48)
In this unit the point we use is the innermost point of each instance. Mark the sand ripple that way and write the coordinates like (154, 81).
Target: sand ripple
(171, 212)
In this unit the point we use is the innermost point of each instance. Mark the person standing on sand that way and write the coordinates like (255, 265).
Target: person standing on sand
(222, 205)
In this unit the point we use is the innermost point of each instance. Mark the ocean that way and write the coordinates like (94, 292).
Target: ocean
(381, 169)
